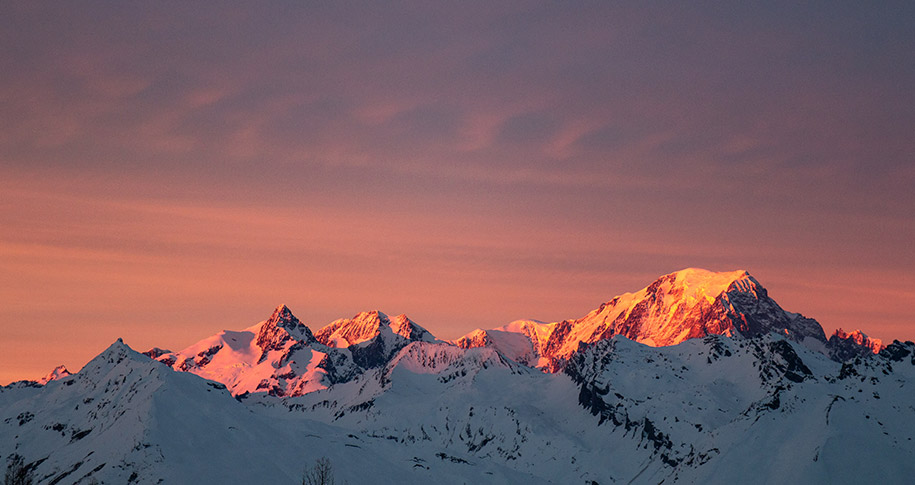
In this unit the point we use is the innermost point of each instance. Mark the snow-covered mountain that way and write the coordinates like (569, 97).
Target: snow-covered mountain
(759, 410)
(744, 392)
(126, 419)
(279, 356)
(688, 304)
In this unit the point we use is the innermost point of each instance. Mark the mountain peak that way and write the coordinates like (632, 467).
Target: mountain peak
(118, 347)
(844, 345)
(686, 304)
(697, 281)
(281, 327)
(113, 355)
(59, 372)
(366, 326)
(408, 329)
(282, 316)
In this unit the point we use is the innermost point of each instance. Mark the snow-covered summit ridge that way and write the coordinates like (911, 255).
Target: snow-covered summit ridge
(687, 304)
(59, 372)
(702, 282)
(281, 356)
(116, 353)
(365, 326)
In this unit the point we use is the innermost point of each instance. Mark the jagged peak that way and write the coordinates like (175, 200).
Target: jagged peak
(59, 372)
(374, 316)
(859, 338)
(281, 327)
(856, 334)
(367, 325)
(476, 338)
(477, 332)
(689, 286)
(282, 317)
(344, 332)
(408, 329)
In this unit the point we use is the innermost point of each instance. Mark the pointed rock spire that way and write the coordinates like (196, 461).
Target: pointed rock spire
(281, 327)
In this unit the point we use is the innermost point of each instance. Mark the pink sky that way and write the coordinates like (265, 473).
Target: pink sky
(168, 172)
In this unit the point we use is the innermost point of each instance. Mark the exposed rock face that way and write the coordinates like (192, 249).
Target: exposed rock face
(369, 325)
(156, 352)
(281, 328)
(899, 351)
(846, 346)
(372, 337)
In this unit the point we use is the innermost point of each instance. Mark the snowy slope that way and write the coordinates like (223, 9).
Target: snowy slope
(125, 418)
(713, 410)
(761, 410)
(624, 411)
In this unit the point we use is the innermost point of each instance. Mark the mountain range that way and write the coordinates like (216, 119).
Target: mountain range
(698, 377)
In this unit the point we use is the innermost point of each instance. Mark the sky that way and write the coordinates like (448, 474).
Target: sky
(172, 169)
